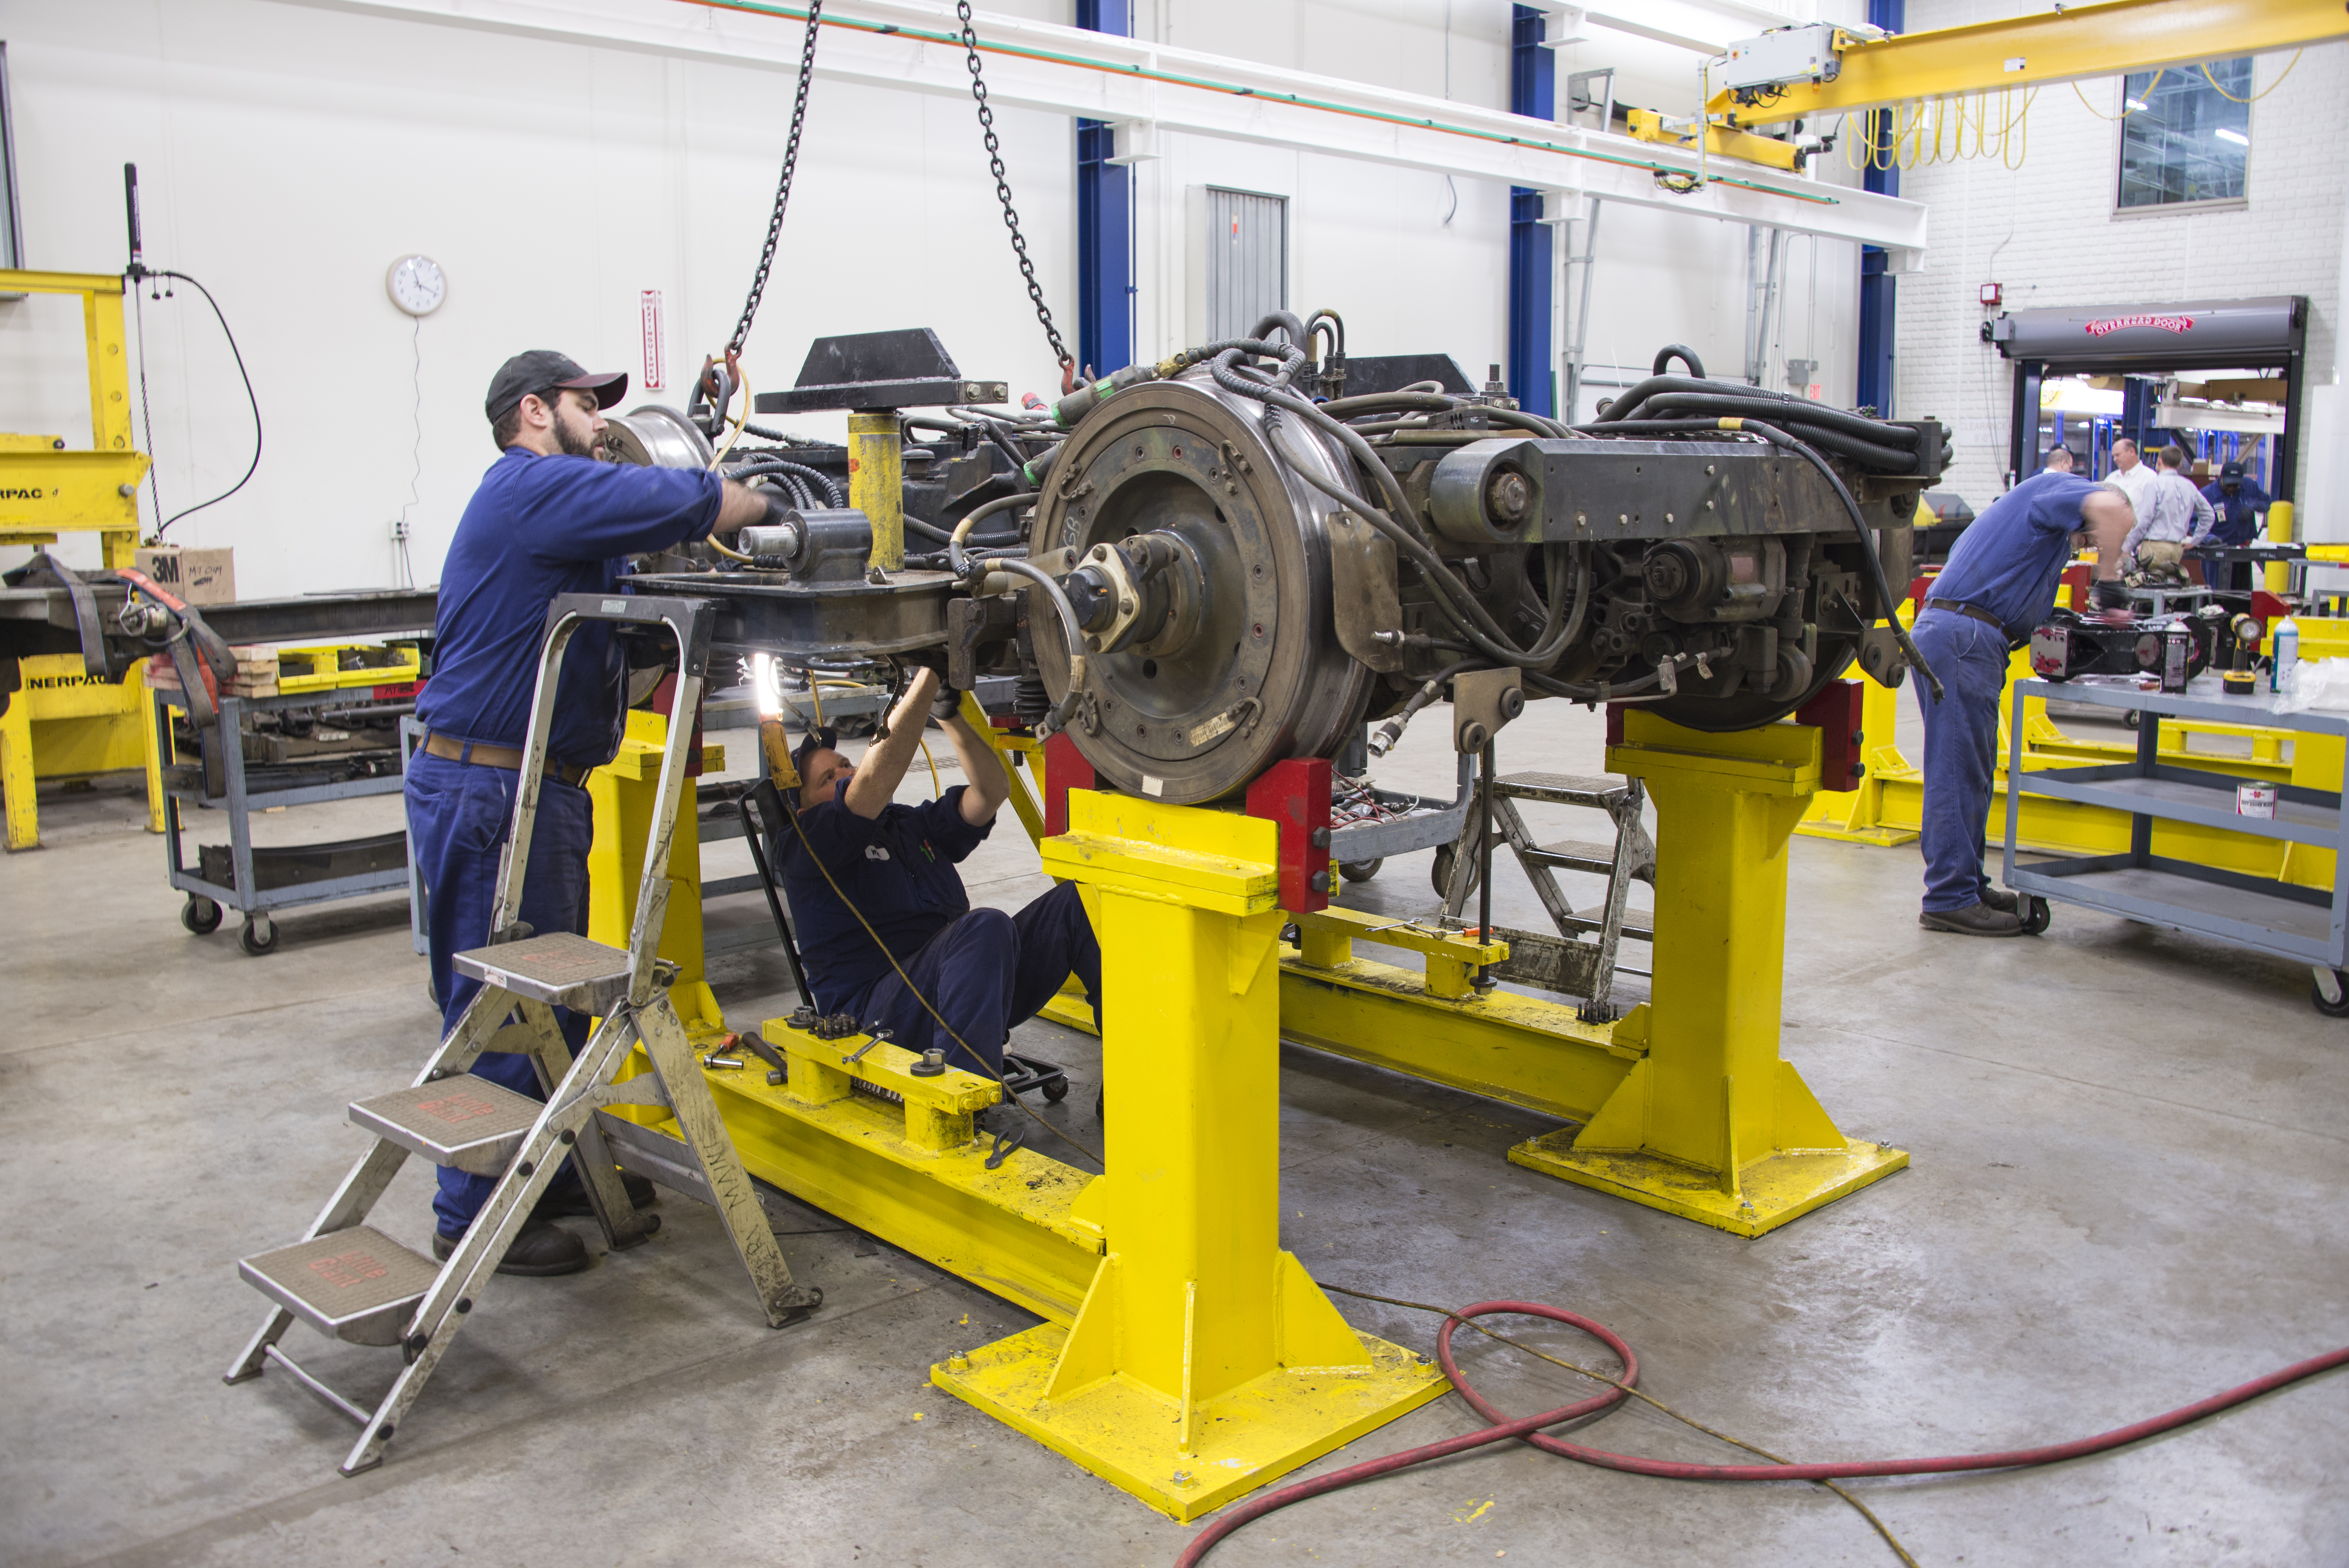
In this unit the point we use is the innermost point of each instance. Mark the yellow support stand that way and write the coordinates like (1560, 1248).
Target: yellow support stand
(46, 489)
(2276, 576)
(1204, 1361)
(622, 793)
(61, 723)
(1712, 1124)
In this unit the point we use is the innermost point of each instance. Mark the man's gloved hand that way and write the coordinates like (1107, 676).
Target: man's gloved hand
(947, 704)
(2109, 593)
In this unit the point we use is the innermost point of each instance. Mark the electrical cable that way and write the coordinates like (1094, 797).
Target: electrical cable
(146, 408)
(1528, 1429)
(2263, 92)
(760, 465)
(416, 449)
(242, 375)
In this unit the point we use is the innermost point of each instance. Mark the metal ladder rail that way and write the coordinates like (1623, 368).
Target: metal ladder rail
(635, 1010)
(1631, 859)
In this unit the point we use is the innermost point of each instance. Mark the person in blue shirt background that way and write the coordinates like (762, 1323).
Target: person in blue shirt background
(549, 519)
(2000, 582)
(884, 925)
(2241, 503)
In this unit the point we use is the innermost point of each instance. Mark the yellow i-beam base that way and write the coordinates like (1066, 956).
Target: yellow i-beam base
(1205, 1360)
(1711, 1123)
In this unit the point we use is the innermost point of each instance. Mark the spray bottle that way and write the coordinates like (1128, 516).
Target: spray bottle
(2284, 654)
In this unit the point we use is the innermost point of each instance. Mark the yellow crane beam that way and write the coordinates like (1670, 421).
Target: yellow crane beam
(2067, 43)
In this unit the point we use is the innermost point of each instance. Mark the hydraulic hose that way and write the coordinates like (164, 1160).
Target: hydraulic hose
(1530, 1430)
(1626, 405)
(1057, 720)
(1681, 352)
(1347, 436)
(1868, 440)
(962, 531)
(765, 465)
(1289, 323)
(1453, 596)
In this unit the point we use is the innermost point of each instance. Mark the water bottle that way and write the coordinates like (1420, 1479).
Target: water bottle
(2284, 654)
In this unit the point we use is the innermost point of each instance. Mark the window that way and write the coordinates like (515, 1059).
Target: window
(2185, 135)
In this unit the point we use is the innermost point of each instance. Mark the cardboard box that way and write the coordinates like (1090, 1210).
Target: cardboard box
(197, 576)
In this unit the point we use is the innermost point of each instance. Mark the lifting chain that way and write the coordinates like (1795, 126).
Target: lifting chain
(1003, 193)
(783, 185)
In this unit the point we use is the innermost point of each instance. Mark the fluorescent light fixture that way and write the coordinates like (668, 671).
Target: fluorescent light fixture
(2237, 136)
(2134, 103)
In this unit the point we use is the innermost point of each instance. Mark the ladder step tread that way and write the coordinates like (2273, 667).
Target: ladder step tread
(561, 967)
(1578, 854)
(464, 1122)
(357, 1284)
(1597, 791)
(1636, 922)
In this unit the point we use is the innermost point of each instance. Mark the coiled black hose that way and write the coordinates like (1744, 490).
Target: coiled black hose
(764, 465)
(1681, 352)
(1888, 448)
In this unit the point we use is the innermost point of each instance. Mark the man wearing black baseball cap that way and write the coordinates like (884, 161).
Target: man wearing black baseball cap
(2240, 502)
(549, 519)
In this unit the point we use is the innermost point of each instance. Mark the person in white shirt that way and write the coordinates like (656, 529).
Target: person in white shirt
(2129, 476)
(2172, 519)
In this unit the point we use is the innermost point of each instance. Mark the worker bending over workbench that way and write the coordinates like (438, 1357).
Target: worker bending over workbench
(1999, 585)
(885, 926)
(548, 518)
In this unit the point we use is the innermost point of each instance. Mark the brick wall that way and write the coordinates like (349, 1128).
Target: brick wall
(2047, 231)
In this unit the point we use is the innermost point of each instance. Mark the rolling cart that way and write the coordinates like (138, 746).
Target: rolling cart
(2305, 925)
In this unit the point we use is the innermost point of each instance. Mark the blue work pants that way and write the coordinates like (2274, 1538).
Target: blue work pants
(985, 973)
(1961, 752)
(457, 817)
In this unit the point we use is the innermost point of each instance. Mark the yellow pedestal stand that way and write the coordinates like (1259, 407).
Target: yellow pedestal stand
(1712, 1124)
(1204, 1361)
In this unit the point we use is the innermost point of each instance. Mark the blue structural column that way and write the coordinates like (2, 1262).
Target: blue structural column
(1532, 92)
(1104, 222)
(1877, 298)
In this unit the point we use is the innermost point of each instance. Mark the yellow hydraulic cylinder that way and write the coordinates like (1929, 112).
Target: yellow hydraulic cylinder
(2279, 572)
(1713, 1124)
(876, 482)
(1204, 1361)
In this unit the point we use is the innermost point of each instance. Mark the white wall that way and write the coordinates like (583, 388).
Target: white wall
(2049, 233)
(287, 154)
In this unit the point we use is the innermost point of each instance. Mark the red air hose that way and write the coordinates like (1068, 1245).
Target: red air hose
(1528, 1428)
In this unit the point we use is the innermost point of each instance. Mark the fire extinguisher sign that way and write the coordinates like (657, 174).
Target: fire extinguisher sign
(648, 302)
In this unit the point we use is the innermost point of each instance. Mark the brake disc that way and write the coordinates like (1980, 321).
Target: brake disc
(1240, 666)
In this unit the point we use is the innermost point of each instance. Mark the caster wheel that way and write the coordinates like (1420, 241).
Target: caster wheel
(1056, 1090)
(1359, 871)
(2334, 981)
(199, 914)
(2038, 915)
(259, 935)
(2131, 719)
(1439, 871)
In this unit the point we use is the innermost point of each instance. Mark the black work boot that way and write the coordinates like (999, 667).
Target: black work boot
(1978, 919)
(570, 1203)
(1999, 899)
(540, 1248)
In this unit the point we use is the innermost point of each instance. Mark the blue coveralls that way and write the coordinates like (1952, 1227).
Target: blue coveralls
(537, 527)
(2007, 562)
(2238, 524)
(983, 970)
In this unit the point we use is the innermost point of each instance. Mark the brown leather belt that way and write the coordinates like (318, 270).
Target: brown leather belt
(1954, 605)
(506, 757)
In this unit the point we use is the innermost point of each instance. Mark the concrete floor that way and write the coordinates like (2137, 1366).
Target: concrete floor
(2127, 1195)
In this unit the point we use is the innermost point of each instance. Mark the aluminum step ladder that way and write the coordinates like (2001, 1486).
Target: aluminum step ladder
(1564, 962)
(350, 1280)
